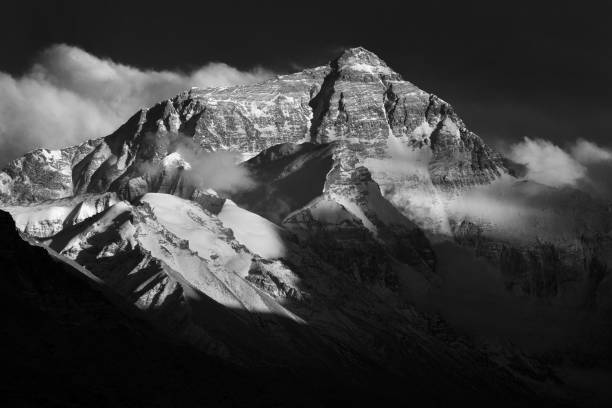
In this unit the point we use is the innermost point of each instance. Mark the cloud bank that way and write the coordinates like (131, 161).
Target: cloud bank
(220, 170)
(589, 153)
(69, 95)
(537, 204)
(547, 163)
(217, 170)
(582, 164)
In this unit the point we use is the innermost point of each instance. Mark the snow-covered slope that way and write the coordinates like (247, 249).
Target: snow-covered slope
(259, 235)
(44, 219)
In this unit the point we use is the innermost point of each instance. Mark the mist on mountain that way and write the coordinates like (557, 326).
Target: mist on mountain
(70, 95)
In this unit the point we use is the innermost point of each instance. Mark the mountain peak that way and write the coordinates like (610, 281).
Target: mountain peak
(360, 53)
(361, 60)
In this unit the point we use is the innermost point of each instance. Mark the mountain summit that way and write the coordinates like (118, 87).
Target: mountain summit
(359, 59)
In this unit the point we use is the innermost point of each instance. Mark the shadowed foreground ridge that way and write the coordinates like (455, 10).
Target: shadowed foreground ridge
(68, 341)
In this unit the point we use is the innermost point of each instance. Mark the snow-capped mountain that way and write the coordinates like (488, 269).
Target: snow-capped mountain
(320, 244)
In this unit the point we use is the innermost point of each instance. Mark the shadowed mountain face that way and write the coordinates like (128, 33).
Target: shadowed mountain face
(288, 176)
(69, 340)
(331, 248)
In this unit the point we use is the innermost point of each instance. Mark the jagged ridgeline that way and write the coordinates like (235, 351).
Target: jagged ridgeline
(357, 99)
(321, 246)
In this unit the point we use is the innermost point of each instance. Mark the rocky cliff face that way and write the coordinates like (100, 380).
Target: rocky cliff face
(366, 103)
(357, 98)
(551, 244)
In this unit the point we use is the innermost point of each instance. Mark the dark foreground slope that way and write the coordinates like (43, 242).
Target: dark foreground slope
(66, 341)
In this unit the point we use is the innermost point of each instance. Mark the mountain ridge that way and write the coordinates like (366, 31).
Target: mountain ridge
(248, 127)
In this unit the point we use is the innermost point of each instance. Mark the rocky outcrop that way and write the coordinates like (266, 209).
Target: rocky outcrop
(42, 220)
(569, 274)
(42, 174)
(365, 102)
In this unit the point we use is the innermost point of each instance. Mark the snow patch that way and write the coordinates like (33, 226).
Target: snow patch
(256, 233)
(175, 160)
(187, 220)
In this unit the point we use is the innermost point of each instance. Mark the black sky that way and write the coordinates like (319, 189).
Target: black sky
(510, 69)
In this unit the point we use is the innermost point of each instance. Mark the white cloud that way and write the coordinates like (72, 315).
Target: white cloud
(589, 153)
(404, 179)
(547, 163)
(220, 170)
(70, 95)
(217, 170)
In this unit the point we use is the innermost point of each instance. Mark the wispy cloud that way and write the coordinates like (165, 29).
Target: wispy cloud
(590, 153)
(69, 96)
(582, 164)
(547, 163)
(220, 170)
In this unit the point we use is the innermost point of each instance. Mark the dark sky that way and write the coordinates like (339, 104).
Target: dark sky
(511, 70)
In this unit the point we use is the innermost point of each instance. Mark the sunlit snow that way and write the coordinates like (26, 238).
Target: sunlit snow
(256, 233)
